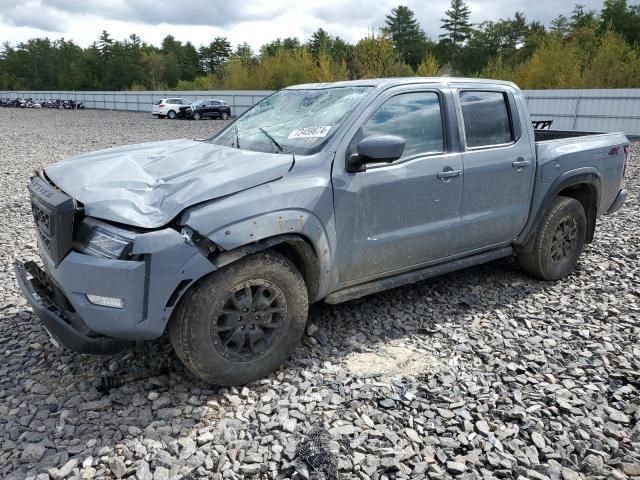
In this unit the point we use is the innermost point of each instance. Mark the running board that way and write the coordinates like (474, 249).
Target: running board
(362, 290)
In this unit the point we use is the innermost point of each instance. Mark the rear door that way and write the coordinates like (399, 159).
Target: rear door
(395, 216)
(499, 166)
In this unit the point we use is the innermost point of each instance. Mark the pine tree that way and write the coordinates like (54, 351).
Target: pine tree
(410, 41)
(581, 18)
(458, 27)
(214, 55)
(560, 26)
(105, 42)
(320, 43)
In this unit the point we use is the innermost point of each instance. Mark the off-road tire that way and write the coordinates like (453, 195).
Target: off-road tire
(193, 325)
(171, 114)
(557, 242)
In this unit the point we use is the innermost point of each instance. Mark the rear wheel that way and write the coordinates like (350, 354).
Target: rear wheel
(558, 241)
(242, 322)
(196, 116)
(171, 114)
(225, 116)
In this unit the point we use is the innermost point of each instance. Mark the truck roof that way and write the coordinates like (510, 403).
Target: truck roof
(392, 82)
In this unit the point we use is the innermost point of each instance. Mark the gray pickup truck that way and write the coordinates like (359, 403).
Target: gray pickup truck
(319, 192)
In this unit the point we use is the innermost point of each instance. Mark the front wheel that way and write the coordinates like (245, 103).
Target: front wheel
(225, 116)
(242, 322)
(196, 116)
(558, 241)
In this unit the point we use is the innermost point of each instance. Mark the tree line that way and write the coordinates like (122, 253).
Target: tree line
(586, 49)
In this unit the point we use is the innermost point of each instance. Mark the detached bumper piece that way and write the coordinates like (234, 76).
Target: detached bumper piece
(65, 325)
(618, 202)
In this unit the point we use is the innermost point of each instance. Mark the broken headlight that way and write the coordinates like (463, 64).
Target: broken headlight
(103, 240)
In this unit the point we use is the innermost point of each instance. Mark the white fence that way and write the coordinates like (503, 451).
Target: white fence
(605, 110)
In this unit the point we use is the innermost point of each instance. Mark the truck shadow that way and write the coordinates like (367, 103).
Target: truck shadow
(424, 309)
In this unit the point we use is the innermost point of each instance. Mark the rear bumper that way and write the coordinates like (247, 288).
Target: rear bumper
(73, 333)
(618, 202)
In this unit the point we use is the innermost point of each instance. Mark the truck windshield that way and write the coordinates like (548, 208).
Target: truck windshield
(296, 121)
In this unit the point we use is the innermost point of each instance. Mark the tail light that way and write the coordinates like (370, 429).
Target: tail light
(627, 149)
(162, 105)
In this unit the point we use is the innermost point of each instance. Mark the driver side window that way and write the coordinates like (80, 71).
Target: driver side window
(413, 116)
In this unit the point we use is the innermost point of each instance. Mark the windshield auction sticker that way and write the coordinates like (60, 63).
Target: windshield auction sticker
(310, 132)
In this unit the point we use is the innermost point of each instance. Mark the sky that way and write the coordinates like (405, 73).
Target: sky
(254, 21)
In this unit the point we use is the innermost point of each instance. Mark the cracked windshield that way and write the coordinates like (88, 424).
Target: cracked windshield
(296, 121)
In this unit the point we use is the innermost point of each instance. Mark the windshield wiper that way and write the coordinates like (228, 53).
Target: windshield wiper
(237, 137)
(272, 140)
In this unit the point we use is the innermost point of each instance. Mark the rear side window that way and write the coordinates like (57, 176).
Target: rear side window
(486, 118)
(158, 102)
(415, 117)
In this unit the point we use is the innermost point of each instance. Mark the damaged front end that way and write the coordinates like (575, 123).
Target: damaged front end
(102, 286)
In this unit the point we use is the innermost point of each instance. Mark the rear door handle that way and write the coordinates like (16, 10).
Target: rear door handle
(520, 164)
(447, 175)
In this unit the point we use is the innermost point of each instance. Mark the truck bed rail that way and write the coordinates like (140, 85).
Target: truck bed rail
(545, 135)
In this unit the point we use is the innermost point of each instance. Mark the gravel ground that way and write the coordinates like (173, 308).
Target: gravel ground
(481, 373)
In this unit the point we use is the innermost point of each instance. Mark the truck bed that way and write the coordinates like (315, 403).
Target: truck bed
(559, 152)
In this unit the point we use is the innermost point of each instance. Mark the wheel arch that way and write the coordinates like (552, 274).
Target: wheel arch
(295, 233)
(294, 247)
(588, 196)
(584, 185)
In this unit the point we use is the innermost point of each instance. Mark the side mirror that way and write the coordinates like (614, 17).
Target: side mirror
(376, 149)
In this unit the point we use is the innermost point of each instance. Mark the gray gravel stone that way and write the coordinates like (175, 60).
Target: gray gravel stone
(117, 467)
(65, 470)
(32, 452)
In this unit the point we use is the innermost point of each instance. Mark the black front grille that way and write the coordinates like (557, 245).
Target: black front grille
(42, 218)
(53, 213)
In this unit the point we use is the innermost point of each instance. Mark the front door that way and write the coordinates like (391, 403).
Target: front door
(404, 214)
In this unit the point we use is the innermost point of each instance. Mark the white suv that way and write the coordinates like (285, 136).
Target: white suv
(169, 107)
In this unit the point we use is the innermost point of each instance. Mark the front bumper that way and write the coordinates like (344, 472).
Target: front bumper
(150, 289)
(618, 202)
(71, 332)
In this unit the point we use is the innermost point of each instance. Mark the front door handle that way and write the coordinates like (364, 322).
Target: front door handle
(447, 175)
(520, 164)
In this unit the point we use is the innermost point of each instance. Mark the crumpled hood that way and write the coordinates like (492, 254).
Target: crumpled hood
(148, 184)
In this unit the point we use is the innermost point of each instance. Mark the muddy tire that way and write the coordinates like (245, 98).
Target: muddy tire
(242, 322)
(558, 241)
